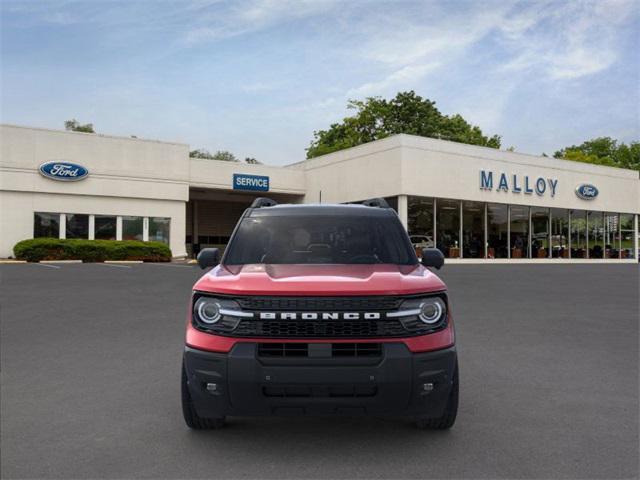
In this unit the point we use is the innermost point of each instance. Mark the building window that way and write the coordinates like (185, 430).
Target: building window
(626, 236)
(559, 233)
(596, 235)
(132, 228)
(472, 230)
(77, 226)
(578, 234)
(159, 229)
(497, 231)
(611, 235)
(392, 201)
(46, 225)
(539, 232)
(420, 222)
(519, 231)
(105, 227)
(448, 227)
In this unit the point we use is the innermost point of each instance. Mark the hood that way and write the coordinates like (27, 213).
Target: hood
(319, 280)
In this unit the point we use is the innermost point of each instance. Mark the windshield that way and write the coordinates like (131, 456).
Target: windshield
(320, 239)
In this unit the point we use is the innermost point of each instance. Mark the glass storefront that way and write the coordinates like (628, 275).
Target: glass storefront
(626, 236)
(559, 233)
(132, 228)
(105, 227)
(473, 241)
(611, 235)
(420, 222)
(46, 225)
(465, 229)
(497, 230)
(539, 232)
(159, 229)
(448, 227)
(77, 226)
(578, 234)
(519, 235)
(595, 237)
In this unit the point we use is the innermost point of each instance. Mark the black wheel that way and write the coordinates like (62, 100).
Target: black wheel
(191, 417)
(448, 417)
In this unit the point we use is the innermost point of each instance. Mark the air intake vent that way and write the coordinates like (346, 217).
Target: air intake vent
(352, 350)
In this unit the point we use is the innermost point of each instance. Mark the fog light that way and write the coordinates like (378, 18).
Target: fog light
(427, 387)
(212, 387)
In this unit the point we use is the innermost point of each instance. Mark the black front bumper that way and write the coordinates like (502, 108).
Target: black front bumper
(242, 383)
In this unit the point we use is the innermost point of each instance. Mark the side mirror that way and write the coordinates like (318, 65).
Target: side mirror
(432, 257)
(208, 257)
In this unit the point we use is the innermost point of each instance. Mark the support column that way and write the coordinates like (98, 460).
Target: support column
(63, 225)
(403, 210)
(92, 227)
(118, 228)
(145, 229)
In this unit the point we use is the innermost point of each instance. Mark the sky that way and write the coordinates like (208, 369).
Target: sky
(258, 77)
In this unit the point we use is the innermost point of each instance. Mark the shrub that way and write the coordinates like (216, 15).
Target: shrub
(36, 249)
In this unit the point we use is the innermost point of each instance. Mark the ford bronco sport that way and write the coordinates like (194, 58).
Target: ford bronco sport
(319, 309)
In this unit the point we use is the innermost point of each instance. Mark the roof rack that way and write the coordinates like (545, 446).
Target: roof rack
(263, 202)
(376, 202)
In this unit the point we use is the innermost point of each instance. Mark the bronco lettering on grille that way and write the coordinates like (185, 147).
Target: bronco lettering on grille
(319, 316)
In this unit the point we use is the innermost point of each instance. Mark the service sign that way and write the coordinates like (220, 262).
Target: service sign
(586, 191)
(250, 182)
(63, 171)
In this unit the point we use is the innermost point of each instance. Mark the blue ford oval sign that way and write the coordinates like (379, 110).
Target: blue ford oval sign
(586, 191)
(63, 171)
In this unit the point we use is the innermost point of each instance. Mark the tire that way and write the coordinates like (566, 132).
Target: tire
(448, 417)
(191, 417)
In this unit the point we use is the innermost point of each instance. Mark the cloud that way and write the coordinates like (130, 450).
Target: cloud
(399, 79)
(565, 41)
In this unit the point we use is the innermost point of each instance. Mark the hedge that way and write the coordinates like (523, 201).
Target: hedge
(36, 249)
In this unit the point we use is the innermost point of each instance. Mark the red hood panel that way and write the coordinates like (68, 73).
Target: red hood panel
(327, 280)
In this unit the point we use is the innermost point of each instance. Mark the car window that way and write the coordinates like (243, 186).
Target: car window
(320, 239)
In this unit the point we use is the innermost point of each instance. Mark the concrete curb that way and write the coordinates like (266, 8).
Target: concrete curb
(9, 262)
(60, 261)
(123, 261)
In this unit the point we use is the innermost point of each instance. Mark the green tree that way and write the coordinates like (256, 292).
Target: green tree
(219, 155)
(377, 118)
(604, 151)
(74, 126)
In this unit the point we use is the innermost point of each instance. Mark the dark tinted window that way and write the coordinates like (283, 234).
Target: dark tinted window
(316, 239)
(46, 225)
(105, 228)
(77, 226)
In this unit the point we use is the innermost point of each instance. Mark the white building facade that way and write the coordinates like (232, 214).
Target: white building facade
(470, 202)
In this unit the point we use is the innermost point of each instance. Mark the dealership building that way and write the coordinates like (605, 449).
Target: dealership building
(473, 203)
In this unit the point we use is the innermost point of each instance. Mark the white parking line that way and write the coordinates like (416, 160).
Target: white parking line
(170, 265)
(113, 265)
(47, 265)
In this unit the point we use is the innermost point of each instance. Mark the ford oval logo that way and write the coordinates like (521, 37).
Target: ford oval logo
(586, 191)
(63, 171)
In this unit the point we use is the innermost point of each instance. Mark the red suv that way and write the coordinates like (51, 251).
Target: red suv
(316, 310)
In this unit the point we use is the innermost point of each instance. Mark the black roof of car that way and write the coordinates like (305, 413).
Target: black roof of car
(355, 210)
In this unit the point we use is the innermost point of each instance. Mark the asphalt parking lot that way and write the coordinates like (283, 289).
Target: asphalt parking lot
(90, 363)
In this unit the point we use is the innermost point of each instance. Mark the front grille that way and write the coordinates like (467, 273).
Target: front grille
(351, 350)
(320, 328)
(320, 304)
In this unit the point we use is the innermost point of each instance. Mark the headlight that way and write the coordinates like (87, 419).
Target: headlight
(422, 314)
(217, 314)
(207, 310)
(432, 310)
